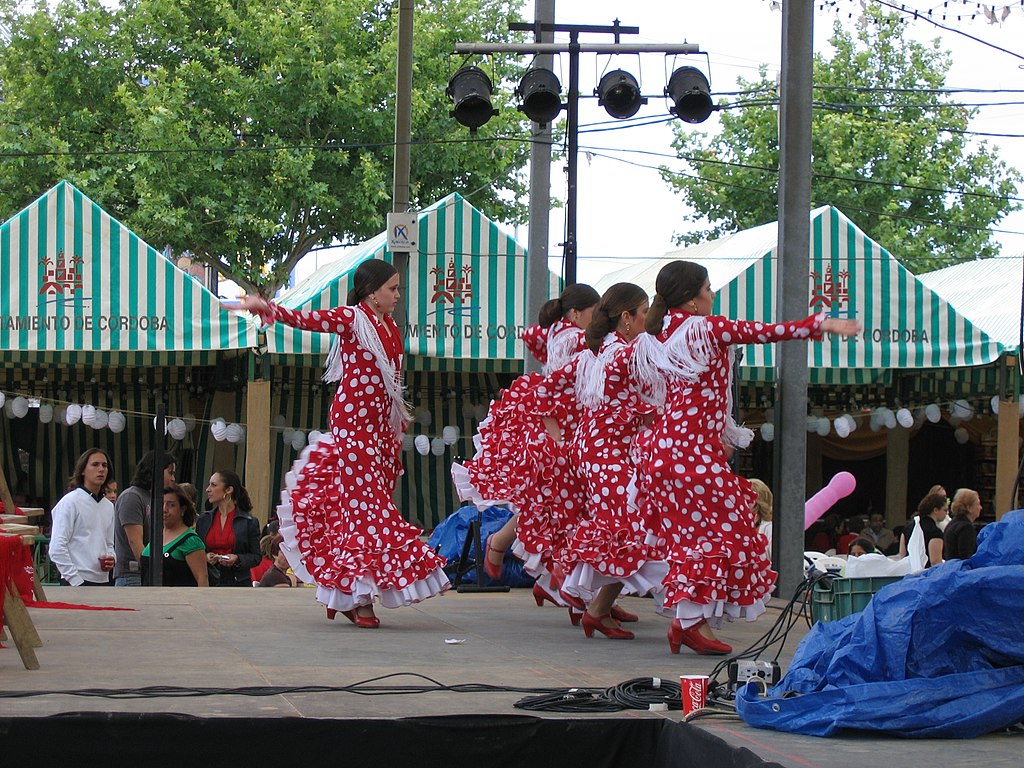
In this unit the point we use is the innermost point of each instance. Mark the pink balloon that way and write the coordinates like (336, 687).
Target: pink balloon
(839, 487)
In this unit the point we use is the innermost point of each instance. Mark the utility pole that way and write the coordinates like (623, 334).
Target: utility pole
(790, 460)
(540, 191)
(403, 140)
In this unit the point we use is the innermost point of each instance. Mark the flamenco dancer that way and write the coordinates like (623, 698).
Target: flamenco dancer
(340, 526)
(719, 567)
(516, 456)
(610, 549)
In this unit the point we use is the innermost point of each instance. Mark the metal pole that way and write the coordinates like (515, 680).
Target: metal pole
(155, 577)
(790, 460)
(540, 194)
(572, 128)
(403, 139)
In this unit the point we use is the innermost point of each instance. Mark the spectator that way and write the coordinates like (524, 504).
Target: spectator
(192, 492)
(883, 538)
(111, 493)
(230, 532)
(763, 507)
(268, 560)
(930, 512)
(825, 533)
(278, 575)
(184, 562)
(849, 531)
(861, 546)
(960, 539)
(82, 536)
(132, 513)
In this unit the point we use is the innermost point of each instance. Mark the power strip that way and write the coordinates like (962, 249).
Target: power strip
(743, 671)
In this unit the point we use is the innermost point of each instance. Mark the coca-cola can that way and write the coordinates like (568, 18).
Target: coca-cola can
(695, 692)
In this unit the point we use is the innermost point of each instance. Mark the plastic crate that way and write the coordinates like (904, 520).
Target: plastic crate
(841, 597)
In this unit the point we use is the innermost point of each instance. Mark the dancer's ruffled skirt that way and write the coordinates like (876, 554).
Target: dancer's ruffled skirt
(342, 531)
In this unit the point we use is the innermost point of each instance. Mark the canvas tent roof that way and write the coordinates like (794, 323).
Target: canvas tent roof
(986, 291)
(907, 325)
(466, 290)
(77, 284)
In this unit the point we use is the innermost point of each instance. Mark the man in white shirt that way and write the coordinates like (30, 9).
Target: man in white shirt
(82, 535)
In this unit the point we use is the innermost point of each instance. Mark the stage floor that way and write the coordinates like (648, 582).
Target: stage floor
(233, 638)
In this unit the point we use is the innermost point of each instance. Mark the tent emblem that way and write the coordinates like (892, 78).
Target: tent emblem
(450, 286)
(64, 276)
(830, 292)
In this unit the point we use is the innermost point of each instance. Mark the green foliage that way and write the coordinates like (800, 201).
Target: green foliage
(243, 131)
(885, 147)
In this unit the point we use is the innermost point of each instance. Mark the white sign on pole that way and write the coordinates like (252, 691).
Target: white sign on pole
(402, 232)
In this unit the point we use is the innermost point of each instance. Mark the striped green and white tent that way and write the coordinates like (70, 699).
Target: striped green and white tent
(78, 286)
(466, 293)
(987, 292)
(907, 325)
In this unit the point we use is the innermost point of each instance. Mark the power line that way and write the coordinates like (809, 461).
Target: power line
(915, 14)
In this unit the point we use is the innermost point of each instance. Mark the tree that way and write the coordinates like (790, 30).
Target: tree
(890, 150)
(245, 132)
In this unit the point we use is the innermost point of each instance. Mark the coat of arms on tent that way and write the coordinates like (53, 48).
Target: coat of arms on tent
(450, 285)
(830, 291)
(61, 276)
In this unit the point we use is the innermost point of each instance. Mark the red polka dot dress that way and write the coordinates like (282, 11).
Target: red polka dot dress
(340, 525)
(511, 439)
(611, 542)
(516, 462)
(719, 566)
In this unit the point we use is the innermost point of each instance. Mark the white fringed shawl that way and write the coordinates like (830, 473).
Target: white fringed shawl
(590, 372)
(686, 355)
(562, 344)
(369, 339)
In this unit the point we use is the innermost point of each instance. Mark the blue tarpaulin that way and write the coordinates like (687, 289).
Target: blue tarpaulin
(938, 654)
(448, 538)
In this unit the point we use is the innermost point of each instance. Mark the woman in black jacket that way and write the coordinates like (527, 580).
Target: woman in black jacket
(960, 539)
(231, 533)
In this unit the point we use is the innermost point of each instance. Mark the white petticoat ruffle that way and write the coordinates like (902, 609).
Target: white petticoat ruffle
(717, 612)
(534, 563)
(585, 581)
(467, 491)
(365, 590)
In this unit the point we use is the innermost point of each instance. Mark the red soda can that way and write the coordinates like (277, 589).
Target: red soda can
(695, 692)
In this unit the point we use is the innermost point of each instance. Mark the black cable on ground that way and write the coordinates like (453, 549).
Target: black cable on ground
(646, 693)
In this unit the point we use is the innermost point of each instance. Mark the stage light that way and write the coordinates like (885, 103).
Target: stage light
(619, 94)
(691, 94)
(470, 92)
(538, 93)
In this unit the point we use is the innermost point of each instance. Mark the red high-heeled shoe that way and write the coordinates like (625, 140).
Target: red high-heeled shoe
(621, 614)
(367, 622)
(591, 623)
(575, 602)
(540, 595)
(574, 615)
(694, 640)
(491, 569)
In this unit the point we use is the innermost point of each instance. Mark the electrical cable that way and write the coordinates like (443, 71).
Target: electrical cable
(646, 693)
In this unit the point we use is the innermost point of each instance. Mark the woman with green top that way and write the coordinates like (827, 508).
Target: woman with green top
(184, 562)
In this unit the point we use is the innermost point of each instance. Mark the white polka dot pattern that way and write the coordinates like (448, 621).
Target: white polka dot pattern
(702, 511)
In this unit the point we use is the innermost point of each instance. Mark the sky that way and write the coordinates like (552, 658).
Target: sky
(625, 210)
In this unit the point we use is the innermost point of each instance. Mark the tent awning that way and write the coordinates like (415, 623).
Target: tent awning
(77, 282)
(987, 292)
(466, 289)
(907, 325)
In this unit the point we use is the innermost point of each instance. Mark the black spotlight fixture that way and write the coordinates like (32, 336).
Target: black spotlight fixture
(470, 92)
(619, 94)
(691, 94)
(538, 93)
